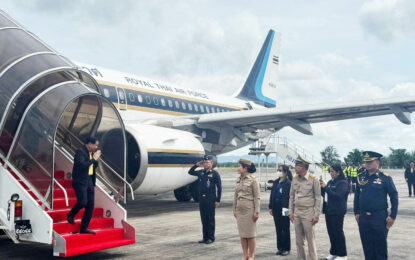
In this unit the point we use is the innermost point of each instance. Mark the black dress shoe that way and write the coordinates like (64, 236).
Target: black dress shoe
(202, 241)
(87, 231)
(209, 241)
(278, 252)
(284, 253)
(71, 220)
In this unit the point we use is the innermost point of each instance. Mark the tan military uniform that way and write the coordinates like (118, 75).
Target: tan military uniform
(245, 204)
(305, 203)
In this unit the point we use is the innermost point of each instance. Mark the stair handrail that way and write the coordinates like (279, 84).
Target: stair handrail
(45, 171)
(103, 162)
(107, 184)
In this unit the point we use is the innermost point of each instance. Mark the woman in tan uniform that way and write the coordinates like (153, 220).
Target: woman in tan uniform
(246, 207)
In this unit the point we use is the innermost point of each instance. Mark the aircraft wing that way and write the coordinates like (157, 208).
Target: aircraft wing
(300, 118)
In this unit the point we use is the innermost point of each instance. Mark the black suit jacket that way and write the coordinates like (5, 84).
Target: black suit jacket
(286, 186)
(408, 175)
(81, 167)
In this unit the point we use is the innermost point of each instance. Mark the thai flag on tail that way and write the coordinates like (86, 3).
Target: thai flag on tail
(275, 59)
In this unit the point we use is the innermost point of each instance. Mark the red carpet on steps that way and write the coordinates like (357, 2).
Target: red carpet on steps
(107, 236)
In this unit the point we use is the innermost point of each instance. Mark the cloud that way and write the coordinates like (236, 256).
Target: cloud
(388, 19)
(333, 60)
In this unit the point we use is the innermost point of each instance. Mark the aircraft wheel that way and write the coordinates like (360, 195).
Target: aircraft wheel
(183, 193)
(194, 190)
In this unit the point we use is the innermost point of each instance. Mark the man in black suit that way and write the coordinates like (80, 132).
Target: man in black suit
(83, 182)
(410, 178)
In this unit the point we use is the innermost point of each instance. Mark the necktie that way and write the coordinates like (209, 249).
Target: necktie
(91, 167)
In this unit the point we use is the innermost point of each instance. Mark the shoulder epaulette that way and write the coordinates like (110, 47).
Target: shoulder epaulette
(295, 176)
(384, 173)
(312, 176)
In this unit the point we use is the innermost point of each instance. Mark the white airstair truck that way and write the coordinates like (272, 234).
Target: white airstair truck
(48, 107)
(287, 152)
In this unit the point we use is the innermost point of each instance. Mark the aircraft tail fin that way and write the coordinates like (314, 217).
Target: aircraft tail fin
(261, 85)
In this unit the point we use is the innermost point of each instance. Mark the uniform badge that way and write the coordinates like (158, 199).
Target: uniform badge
(377, 181)
(362, 180)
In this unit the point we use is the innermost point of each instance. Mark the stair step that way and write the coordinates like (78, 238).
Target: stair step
(104, 235)
(61, 203)
(96, 223)
(58, 193)
(60, 215)
(97, 247)
(59, 175)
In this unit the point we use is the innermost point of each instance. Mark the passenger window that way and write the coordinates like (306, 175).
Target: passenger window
(207, 109)
(131, 96)
(156, 101)
(163, 102)
(140, 98)
(196, 107)
(170, 103)
(176, 103)
(148, 100)
(189, 106)
(202, 109)
(106, 93)
(183, 105)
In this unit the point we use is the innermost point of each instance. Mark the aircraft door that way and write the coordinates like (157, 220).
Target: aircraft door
(122, 99)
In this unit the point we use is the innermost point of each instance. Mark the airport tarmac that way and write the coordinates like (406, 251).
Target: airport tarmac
(167, 229)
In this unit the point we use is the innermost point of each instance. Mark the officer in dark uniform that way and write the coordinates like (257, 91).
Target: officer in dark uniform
(210, 191)
(371, 207)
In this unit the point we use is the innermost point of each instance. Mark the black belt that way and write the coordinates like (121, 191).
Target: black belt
(370, 213)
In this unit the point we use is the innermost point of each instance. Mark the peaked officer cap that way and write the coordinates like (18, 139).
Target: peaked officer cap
(208, 157)
(301, 160)
(369, 156)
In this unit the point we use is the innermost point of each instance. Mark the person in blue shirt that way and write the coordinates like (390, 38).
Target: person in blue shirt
(279, 200)
(210, 191)
(371, 207)
(335, 194)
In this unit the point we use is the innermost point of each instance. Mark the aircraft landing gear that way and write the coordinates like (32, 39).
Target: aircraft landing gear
(194, 190)
(183, 193)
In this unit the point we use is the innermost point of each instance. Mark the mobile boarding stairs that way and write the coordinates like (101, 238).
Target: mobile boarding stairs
(48, 107)
(287, 152)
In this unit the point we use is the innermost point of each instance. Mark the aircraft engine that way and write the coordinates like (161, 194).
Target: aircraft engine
(159, 158)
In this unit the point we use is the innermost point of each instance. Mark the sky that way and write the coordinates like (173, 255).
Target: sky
(331, 52)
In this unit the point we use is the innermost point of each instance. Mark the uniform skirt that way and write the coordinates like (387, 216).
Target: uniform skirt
(244, 218)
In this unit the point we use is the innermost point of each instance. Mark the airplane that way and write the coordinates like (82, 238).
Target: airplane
(169, 128)
(154, 112)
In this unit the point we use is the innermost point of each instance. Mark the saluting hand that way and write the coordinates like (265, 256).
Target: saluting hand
(323, 184)
(390, 222)
(199, 164)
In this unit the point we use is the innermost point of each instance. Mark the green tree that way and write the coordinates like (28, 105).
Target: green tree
(354, 157)
(398, 158)
(329, 155)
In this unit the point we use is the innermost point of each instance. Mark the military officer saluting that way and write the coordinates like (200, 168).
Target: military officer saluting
(371, 207)
(210, 191)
